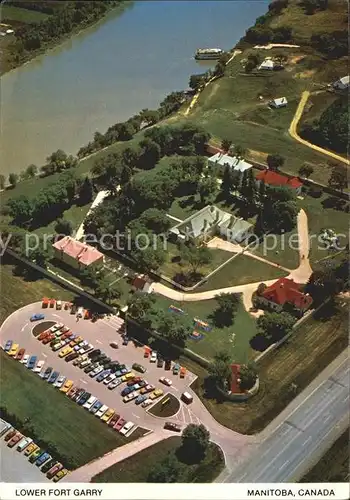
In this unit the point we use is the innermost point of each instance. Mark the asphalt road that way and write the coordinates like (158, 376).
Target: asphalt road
(303, 437)
(15, 467)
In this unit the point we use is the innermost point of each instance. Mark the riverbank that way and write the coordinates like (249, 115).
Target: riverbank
(10, 66)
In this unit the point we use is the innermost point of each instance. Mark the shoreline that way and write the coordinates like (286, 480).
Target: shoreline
(117, 10)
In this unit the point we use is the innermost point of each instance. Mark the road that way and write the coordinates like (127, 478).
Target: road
(297, 443)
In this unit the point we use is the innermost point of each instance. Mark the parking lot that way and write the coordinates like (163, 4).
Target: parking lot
(15, 464)
(100, 334)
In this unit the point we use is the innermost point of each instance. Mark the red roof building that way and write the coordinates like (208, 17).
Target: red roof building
(76, 254)
(286, 291)
(275, 179)
(235, 379)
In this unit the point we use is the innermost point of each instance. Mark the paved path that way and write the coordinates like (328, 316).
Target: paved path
(101, 195)
(302, 273)
(276, 45)
(293, 131)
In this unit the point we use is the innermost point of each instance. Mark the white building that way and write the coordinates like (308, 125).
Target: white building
(222, 160)
(342, 83)
(281, 102)
(267, 64)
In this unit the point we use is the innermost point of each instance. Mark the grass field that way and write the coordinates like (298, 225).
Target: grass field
(166, 410)
(233, 339)
(333, 466)
(136, 468)
(52, 418)
(10, 13)
(318, 341)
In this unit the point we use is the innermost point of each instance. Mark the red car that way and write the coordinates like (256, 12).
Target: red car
(121, 422)
(66, 335)
(133, 381)
(10, 435)
(17, 437)
(20, 354)
(53, 471)
(43, 335)
(113, 420)
(48, 339)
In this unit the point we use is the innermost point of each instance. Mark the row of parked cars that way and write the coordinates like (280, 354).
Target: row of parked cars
(48, 465)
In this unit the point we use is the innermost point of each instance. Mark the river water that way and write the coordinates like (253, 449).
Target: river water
(110, 72)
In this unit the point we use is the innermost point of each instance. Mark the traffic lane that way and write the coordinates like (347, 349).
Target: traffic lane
(16, 468)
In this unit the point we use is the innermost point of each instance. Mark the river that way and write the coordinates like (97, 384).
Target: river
(110, 72)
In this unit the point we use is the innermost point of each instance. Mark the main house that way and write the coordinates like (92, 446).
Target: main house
(275, 179)
(284, 292)
(76, 254)
(209, 221)
(238, 165)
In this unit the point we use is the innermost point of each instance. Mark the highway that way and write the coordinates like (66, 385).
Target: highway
(301, 439)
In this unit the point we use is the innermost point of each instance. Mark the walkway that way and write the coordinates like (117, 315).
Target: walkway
(101, 195)
(277, 45)
(293, 131)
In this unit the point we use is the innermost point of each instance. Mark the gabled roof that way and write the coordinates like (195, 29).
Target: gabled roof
(345, 80)
(81, 252)
(276, 179)
(235, 380)
(237, 164)
(287, 291)
(281, 101)
(267, 64)
(200, 222)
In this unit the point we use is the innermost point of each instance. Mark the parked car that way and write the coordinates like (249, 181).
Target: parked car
(114, 345)
(20, 354)
(120, 423)
(43, 335)
(22, 445)
(79, 360)
(56, 340)
(176, 369)
(78, 394)
(48, 465)
(85, 363)
(126, 428)
(114, 384)
(182, 372)
(39, 366)
(90, 402)
(94, 353)
(65, 351)
(53, 471)
(60, 474)
(171, 426)
(33, 457)
(140, 399)
(58, 346)
(130, 396)
(135, 387)
(60, 381)
(160, 362)
(31, 449)
(165, 381)
(80, 345)
(56, 326)
(139, 368)
(67, 335)
(25, 359)
(147, 388)
(147, 403)
(73, 309)
(153, 358)
(133, 381)
(66, 386)
(125, 340)
(53, 377)
(46, 374)
(44, 457)
(37, 317)
(156, 394)
(73, 336)
(107, 415)
(58, 305)
(128, 376)
(146, 352)
(49, 338)
(71, 357)
(96, 406)
(76, 341)
(105, 361)
(167, 364)
(109, 379)
(13, 350)
(16, 438)
(86, 348)
(126, 391)
(113, 420)
(103, 375)
(10, 434)
(96, 371)
(83, 398)
(8, 345)
(73, 391)
(101, 411)
(5, 428)
(31, 362)
(91, 367)
(187, 397)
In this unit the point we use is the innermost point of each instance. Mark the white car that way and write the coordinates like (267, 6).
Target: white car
(86, 348)
(85, 363)
(127, 428)
(165, 381)
(146, 403)
(60, 381)
(110, 378)
(114, 384)
(101, 411)
(58, 346)
(56, 326)
(25, 359)
(92, 400)
(96, 371)
(80, 345)
(39, 366)
(153, 358)
(129, 397)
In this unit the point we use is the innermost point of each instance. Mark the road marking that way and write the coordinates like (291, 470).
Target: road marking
(284, 464)
(175, 389)
(45, 355)
(98, 341)
(56, 315)
(25, 326)
(307, 441)
(327, 418)
(82, 380)
(134, 415)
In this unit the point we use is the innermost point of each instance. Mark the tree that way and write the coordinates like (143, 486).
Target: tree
(274, 326)
(339, 177)
(196, 256)
(249, 66)
(21, 209)
(2, 181)
(227, 182)
(31, 170)
(64, 226)
(150, 258)
(40, 256)
(150, 116)
(197, 81)
(281, 58)
(195, 442)
(306, 170)
(174, 329)
(219, 69)
(248, 375)
(90, 277)
(150, 154)
(56, 161)
(106, 291)
(13, 179)
(322, 284)
(248, 186)
(107, 172)
(274, 162)
(207, 189)
(156, 220)
(140, 307)
(169, 470)
(227, 307)
(130, 156)
(86, 191)
(225, 145)
(239, 151)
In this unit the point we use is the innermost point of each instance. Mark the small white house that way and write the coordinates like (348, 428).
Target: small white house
(281, 102)
(267, 64)
(342, 83)
(9, 32)
(237, 164)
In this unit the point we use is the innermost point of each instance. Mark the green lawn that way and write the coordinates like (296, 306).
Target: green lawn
(54, 420)
(75, 214)
(233, 339)
(136, 468)
(11, 13)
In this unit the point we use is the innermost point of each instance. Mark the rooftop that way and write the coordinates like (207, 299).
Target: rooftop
(83, 253)
(237, 164)
(286, 290)
(276, 179)
(235, 380)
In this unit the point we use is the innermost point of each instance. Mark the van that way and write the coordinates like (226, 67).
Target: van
(186, 397)
(24, 443)
(58, 304)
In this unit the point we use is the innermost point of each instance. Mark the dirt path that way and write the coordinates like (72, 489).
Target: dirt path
(302, 273)
(293, 131)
